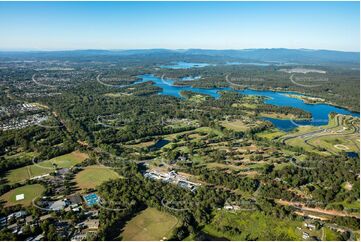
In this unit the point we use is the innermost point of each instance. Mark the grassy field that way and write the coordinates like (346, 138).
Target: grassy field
(93, 176)
(263, 227)
(280, 116)
(222, 166)
(141, 144)
(197, 98)
(200, 131)
(45, 167)
(271, 134)
(117, 94)
(236, 125)
(245, 105)
(150, 224)
(30, 192)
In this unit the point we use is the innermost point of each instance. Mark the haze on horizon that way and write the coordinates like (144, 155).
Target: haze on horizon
(179, 25)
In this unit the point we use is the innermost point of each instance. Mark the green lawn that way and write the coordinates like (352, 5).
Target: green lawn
(30, 192)
(45, 167)
(252, 225)
(150, 224)
(92, 176)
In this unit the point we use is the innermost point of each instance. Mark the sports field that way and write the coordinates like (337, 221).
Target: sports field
(30, 192)
(150, 224)
(45, 167)
(92, 176)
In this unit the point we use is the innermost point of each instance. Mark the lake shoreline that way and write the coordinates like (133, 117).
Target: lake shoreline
(290, 92)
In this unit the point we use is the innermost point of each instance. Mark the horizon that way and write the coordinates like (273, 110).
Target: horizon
(68, 26)
(147, 49)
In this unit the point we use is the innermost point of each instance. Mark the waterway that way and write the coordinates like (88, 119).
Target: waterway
(319, 112)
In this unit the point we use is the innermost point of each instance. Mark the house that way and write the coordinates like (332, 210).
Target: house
(2, 222)
(75, 199)
(62, 172)
(57, 205)
(18, 214)
(39, 237)
(305, 235)
(29, 219)
(13, 227)
(78, 237)
(44, 217)
(75, 208)
(92, 224)
(310, 226)
(92, 213)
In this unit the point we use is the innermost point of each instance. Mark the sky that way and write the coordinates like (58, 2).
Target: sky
(179, 25)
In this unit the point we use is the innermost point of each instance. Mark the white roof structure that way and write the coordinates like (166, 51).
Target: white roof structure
(20, 197)
(57, 205)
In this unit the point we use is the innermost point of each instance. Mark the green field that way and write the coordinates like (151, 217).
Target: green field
(236, 125)
(201, 131)
(45, 167)
(263, 227)
(30, 192)
(141, 144)
(150, 224)
(280, 116)
(197, 98)
(271, 134)
(92, 176)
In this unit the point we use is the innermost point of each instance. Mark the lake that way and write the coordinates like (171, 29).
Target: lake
(185, 65)
(319, 112)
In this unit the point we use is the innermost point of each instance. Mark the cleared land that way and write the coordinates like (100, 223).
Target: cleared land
(236, 125)
(150, 224)
(45, 167)
(280, 116)
(271, 134)
(92, 176)
(30, 192)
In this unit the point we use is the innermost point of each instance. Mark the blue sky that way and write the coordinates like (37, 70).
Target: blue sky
(178, 25)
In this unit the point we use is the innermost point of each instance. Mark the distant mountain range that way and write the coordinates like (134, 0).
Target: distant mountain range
(306, 56)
